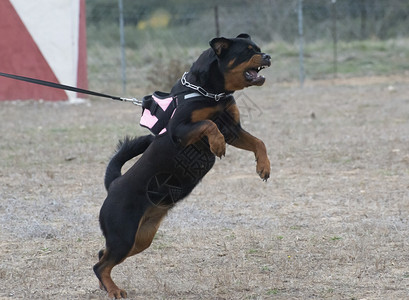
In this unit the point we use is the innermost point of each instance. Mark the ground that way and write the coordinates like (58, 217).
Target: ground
(332, 222)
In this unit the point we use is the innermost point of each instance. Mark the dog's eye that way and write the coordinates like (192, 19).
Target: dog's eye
(249, 49)
(253, 49)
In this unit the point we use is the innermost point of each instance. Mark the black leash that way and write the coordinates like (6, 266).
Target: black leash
(69, 88)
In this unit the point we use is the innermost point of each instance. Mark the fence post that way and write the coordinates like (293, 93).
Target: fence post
(334, 36)
(216, 19)
(301, 41)
(122, 43)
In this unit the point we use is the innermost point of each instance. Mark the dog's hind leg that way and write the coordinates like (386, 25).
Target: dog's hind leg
(117, 250)
(100, 255)
(148, 226)
(108, 260)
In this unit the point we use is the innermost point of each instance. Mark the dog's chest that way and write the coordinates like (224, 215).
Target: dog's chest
(206, 113)
(194, 161)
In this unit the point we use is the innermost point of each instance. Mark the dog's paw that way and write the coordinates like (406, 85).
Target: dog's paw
(117, 294)
(218, 145)
(263, 168)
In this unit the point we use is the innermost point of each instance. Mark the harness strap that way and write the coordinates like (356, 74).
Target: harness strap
(192, 95)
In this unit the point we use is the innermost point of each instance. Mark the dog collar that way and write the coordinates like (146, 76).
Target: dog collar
(201, 90)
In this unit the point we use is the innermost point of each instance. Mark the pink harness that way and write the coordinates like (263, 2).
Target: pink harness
(157, 110)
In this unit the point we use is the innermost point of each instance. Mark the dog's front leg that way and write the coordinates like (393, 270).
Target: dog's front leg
(240, 138)
(246, 141)
(191, 133)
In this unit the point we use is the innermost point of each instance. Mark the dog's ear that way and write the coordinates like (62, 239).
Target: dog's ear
(220, 45)
(244, 36)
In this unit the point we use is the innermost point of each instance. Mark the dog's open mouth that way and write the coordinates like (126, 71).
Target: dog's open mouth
(252, 75)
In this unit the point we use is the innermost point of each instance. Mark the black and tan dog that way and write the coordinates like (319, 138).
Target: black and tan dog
(174, 162)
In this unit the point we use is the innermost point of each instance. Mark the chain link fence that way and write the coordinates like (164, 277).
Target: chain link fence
(162, 38)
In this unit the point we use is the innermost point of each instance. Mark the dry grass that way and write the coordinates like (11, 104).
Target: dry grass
(331, 223)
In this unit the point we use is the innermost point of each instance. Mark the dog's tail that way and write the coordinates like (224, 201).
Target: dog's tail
(127, 149)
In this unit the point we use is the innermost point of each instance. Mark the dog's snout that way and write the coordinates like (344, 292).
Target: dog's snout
(266, 59)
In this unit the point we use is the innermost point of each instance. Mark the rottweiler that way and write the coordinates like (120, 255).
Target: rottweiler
(174, 162)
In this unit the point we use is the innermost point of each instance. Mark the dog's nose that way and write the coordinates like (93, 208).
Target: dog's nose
(266, 56)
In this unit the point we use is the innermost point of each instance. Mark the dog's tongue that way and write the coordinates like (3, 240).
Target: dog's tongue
(253, 78)
(251, 74)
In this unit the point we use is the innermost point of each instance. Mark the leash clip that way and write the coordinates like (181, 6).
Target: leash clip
(133, 100)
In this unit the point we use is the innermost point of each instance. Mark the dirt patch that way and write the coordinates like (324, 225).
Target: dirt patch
(331, 223)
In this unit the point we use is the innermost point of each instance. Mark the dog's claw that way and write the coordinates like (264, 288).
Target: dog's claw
(218, 146)
(117, 294)
(263, 169)
(264, 177)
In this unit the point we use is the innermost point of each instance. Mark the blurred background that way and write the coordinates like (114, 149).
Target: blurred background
(310, 39)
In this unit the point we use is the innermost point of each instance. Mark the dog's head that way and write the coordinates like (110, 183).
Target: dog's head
(240, 60)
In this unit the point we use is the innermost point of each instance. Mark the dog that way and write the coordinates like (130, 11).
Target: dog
(174, 162)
